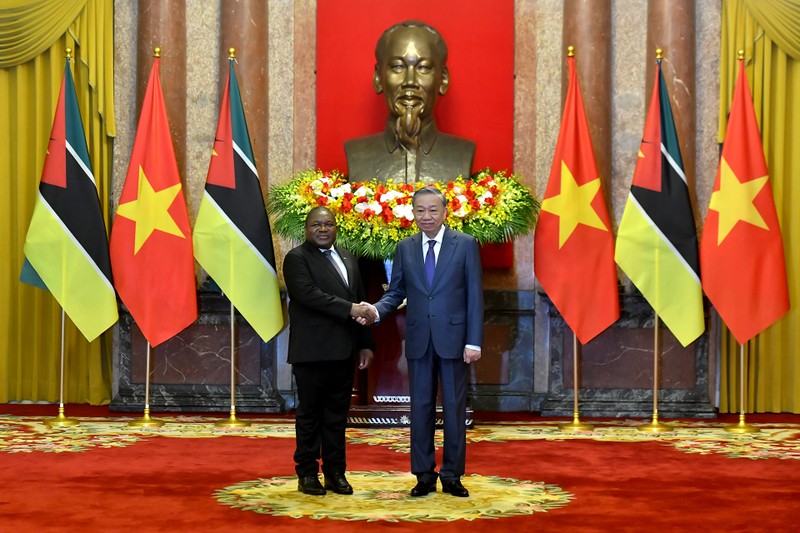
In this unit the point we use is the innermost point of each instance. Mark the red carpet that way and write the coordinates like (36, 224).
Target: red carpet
(189, 476)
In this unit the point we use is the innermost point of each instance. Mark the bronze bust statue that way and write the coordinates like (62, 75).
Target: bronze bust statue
(411, 72)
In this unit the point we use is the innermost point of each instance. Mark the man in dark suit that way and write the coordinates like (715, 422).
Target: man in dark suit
(438, 272)
(323, 282)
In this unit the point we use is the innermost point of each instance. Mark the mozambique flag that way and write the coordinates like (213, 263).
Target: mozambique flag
(66, 248)
(657, 239)
(742, 251)
(573, 245)
(151, 243)
(232, 239)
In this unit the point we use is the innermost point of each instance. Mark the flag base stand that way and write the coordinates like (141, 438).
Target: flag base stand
(146, 421)
(232, 421)
(655, 426)
(741, 427)
(61, 420)
(576, 425)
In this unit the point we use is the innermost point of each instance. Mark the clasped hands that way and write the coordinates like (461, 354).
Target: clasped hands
(364, 313)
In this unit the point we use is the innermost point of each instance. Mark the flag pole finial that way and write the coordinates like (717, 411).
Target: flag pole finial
(231, 53)
(659, 53)
(740, 54)
(69, 53)
(157, 51)
(570, 51)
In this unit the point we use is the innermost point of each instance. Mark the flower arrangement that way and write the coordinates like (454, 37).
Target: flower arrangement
(372, 216)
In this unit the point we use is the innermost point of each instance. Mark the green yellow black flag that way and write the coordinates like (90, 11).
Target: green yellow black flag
(232, 238)
(66, 248)
(657, 240)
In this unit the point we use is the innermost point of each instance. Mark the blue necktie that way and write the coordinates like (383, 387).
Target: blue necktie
(430, 262)
(329, 255)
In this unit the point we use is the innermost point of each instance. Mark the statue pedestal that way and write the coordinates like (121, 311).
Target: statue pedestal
(191, 372)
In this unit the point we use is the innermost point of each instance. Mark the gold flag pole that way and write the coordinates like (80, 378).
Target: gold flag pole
(576, 424)
(146, 421)
(742, 426)
(655, 426)
(61, 420)
(232, 421)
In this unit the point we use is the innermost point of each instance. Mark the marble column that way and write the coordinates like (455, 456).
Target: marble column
(162, 23)
(671, 27)
(587, 27)
(244, 26)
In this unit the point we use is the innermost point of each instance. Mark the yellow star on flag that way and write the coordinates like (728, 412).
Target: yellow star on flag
(150, 211)
(734, 201)
(573, 205)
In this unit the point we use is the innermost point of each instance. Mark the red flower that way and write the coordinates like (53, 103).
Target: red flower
(474, 204)
(490, 201)
(405, 223)
(455, 204)
(322, 200)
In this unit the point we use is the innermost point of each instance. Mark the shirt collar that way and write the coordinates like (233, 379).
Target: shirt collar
(438, 238)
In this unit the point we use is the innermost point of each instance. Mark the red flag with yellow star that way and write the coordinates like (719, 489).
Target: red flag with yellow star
(741, 252)
(151, 242)
(573, 245)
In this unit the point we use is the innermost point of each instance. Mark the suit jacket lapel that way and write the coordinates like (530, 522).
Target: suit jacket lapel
(446, 252)
(416, 257)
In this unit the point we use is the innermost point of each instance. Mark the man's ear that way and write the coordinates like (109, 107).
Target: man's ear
(445, 81)
(376, 79)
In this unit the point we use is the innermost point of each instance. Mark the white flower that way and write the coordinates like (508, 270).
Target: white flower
(403, 211)
(363, 191)
(338, 192)
(374, 207)
(317, 185)
(482, 198)
(464, 209)
(391, 195)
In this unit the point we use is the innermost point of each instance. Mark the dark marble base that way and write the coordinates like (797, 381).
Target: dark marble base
(191, 372)
(616, 370)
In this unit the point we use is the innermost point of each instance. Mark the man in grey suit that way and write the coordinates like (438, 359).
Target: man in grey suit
(323, 282)
(438, 272)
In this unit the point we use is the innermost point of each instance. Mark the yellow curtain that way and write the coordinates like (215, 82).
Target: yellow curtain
(34, 36)
(769, 33)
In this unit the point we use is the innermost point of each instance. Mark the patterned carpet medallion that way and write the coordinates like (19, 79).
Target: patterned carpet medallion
(492, 497)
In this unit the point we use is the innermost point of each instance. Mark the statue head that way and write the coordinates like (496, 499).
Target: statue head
(411, 72)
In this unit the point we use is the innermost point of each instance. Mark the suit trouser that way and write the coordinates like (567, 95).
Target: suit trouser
(323, 399)
(425, 375)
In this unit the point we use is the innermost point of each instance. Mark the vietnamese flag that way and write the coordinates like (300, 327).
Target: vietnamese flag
(573, 245)
(741, 252)
(151, 242)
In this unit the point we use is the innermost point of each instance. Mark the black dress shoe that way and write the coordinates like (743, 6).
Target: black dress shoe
(338, 484)
(310, 485)
(423, 489)
(455, 488)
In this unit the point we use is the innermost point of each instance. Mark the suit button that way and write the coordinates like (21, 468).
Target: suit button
(430, 297)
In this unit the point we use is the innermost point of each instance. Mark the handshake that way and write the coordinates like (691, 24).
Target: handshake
(364, 313)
